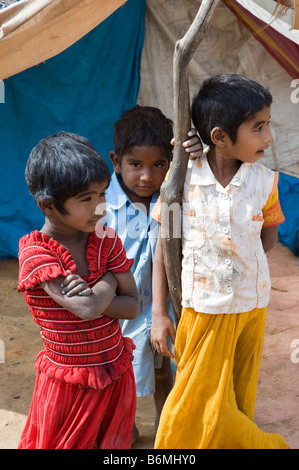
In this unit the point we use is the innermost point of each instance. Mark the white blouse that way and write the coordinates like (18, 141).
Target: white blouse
(224, 266)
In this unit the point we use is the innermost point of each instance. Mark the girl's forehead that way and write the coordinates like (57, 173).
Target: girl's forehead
(94, 187)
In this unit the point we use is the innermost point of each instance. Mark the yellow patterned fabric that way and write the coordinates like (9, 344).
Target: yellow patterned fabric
(272, 212)
(212, 403)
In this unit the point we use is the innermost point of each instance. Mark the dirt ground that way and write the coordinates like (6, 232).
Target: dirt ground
(277, 406)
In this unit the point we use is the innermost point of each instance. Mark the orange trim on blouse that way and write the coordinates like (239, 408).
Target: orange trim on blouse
(272, 212)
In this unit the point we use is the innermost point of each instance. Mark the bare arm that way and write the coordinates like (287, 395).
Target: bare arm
(125, 305)
(162, 326)
(73, 293)
(90, 305)
(269, 237)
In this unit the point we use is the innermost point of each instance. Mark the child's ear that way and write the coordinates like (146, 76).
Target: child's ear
(115, 161)
(46, 206)
(218, 137)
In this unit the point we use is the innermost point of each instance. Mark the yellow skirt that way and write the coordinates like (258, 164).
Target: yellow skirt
(211, 405)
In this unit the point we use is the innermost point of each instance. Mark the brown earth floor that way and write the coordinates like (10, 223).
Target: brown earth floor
(277, 406)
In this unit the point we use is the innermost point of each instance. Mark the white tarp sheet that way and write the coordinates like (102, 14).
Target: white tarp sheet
(227, 47)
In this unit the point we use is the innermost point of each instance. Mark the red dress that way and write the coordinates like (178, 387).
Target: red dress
(84, 395)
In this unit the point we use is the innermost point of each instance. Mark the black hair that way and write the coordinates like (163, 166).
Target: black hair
(143, 126)
(61, 166)
(227, 101)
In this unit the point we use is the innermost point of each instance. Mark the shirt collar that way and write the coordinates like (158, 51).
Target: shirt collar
(202, 174)
(117, 196)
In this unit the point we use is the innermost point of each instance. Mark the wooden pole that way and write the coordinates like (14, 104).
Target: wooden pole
(172, 189)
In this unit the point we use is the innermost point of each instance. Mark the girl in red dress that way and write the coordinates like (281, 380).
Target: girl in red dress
(77, 287)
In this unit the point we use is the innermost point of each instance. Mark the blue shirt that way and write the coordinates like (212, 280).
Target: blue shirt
(138, 232)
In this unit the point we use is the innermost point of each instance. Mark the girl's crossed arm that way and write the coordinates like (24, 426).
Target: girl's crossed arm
(126, 303)
(73, 293)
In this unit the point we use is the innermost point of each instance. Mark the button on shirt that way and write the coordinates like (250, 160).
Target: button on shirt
(224, 266)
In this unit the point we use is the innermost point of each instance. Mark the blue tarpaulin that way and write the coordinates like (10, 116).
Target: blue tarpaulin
(288, 187)
(83, 90)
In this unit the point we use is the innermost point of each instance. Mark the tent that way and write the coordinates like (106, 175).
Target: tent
(82, 89)
(75, 65)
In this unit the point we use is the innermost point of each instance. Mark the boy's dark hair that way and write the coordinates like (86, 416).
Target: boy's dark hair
(61, 166)
(227, 101)
(143, 125)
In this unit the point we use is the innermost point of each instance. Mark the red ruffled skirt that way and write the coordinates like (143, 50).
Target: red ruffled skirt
(65, 415)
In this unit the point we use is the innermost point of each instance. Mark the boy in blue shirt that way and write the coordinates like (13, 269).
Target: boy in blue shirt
(141, 157)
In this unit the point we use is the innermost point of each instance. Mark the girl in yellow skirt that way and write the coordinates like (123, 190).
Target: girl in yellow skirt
(230, 218)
